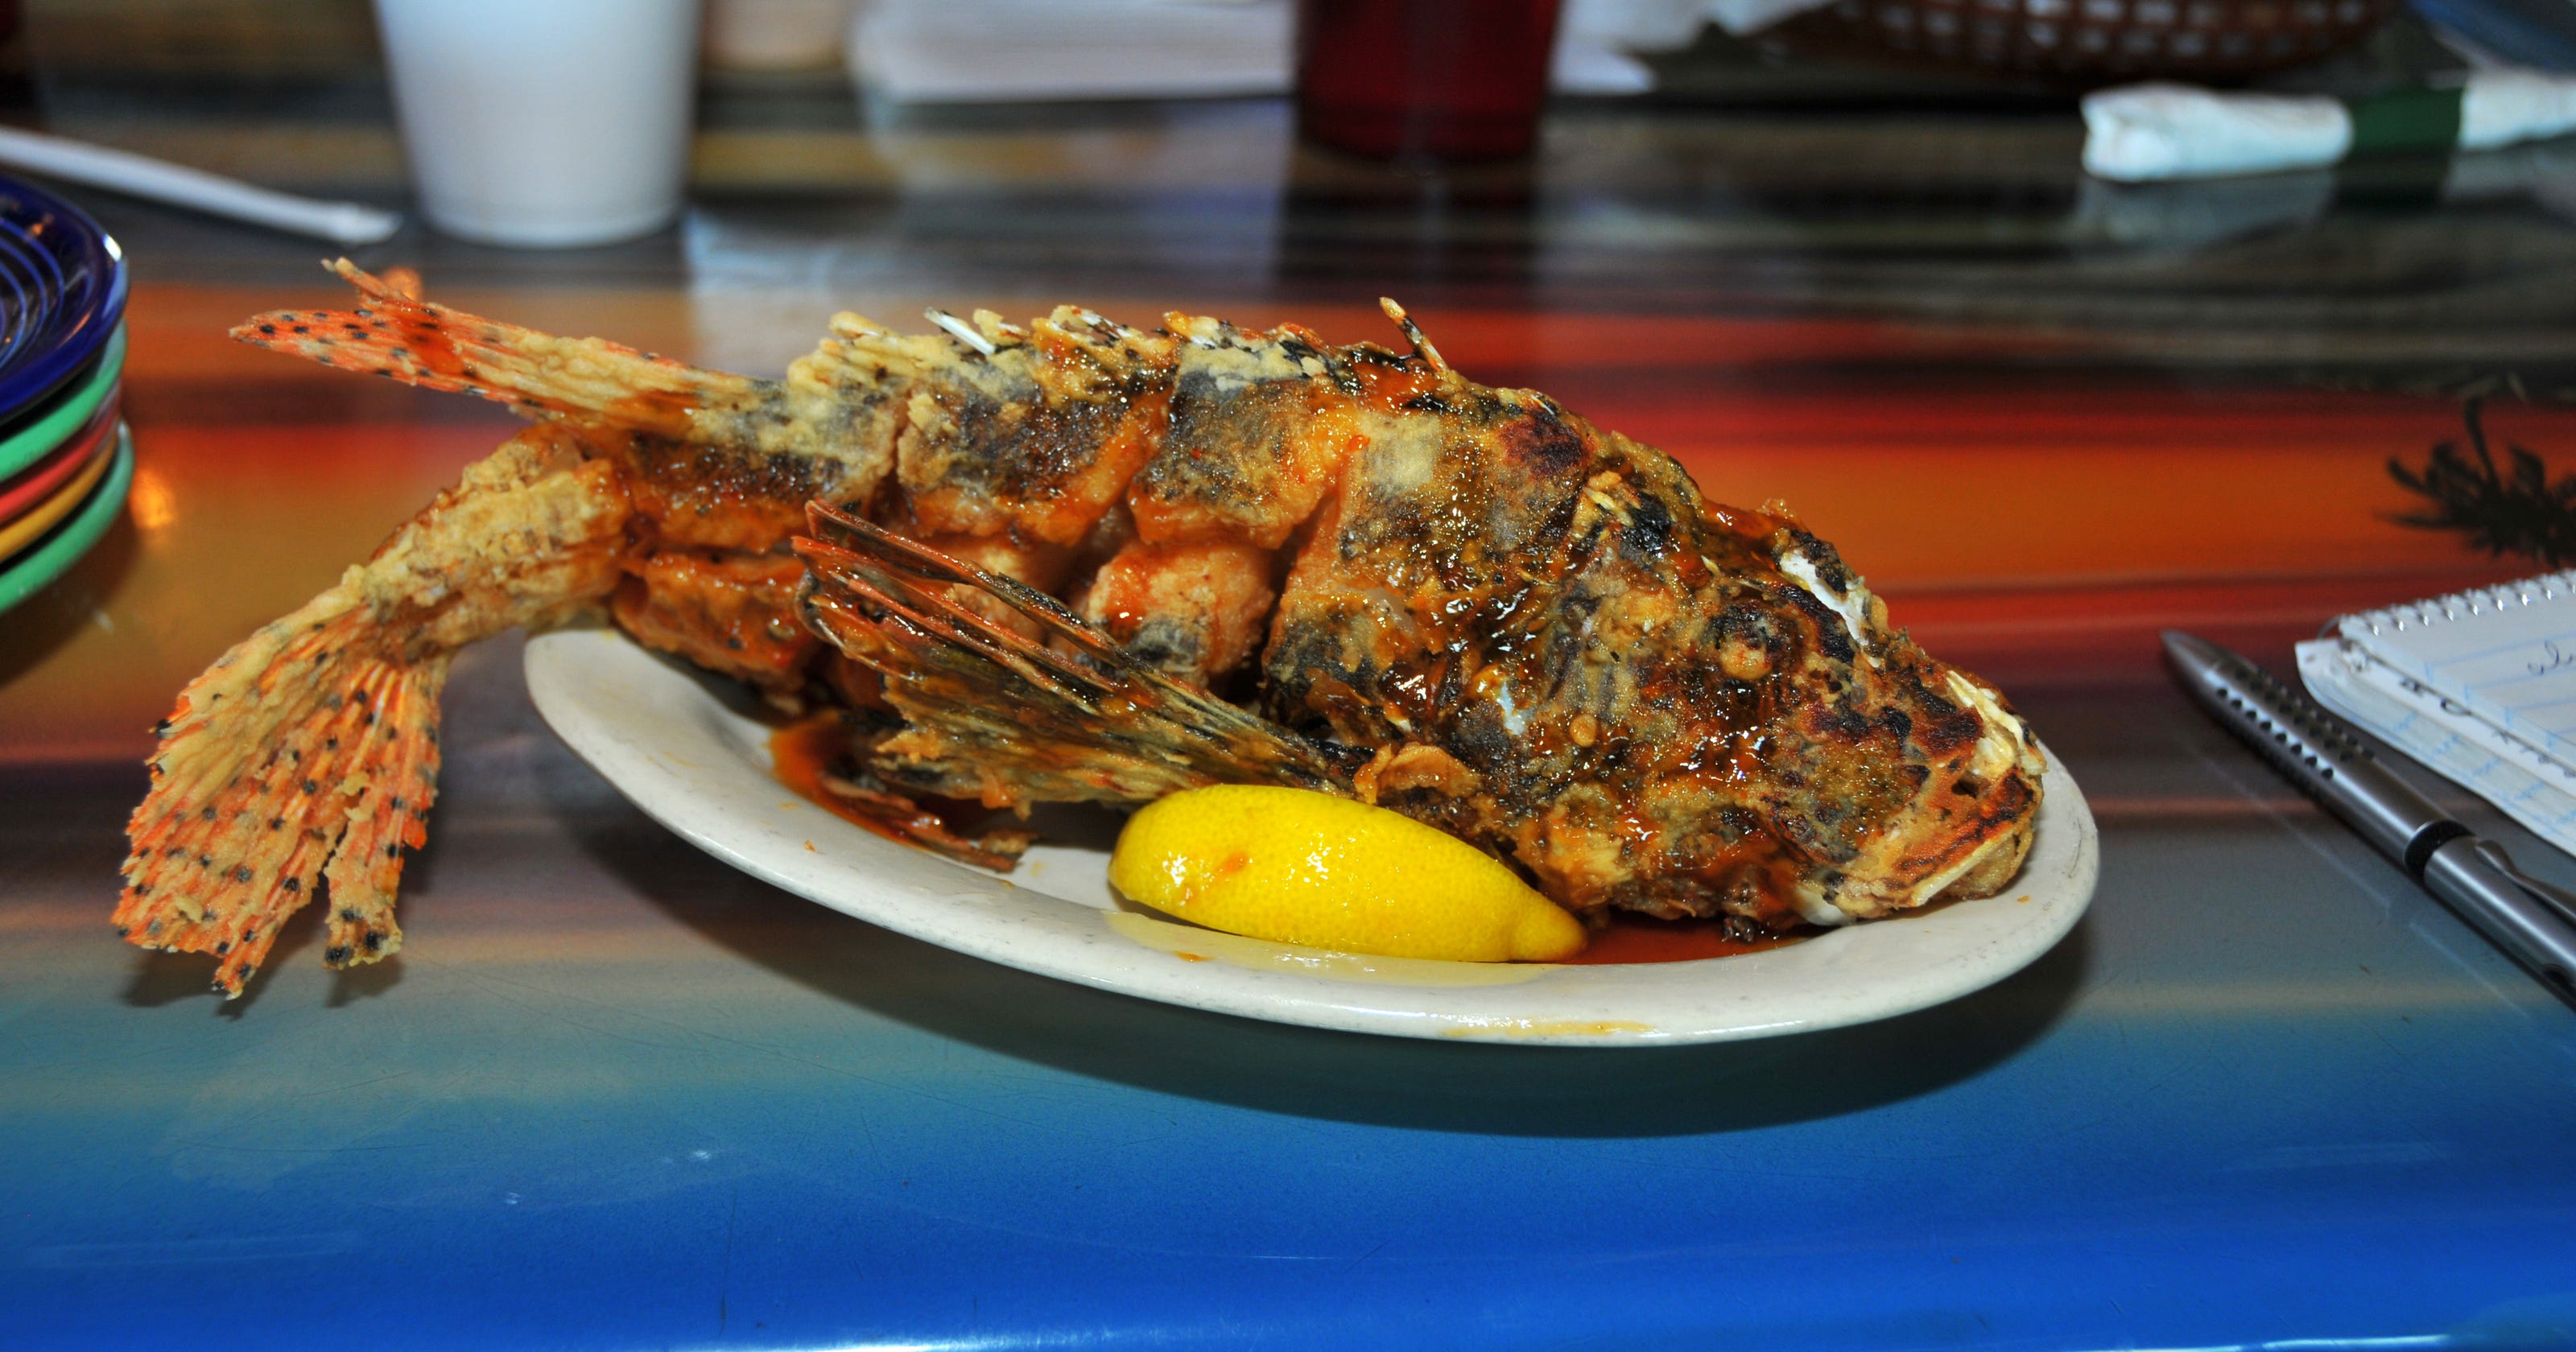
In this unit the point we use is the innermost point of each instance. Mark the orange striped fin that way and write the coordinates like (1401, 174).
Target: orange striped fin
(303, 754)
(306, 757)
(395, 334)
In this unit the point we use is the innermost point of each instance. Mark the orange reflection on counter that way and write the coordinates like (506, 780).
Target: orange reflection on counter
(154, 505)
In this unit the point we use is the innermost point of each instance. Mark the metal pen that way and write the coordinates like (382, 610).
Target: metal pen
(2531, 920)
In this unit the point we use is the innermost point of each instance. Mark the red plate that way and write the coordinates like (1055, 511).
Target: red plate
(38, 481)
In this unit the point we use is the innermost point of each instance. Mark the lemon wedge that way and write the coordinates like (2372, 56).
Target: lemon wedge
(1303, 867)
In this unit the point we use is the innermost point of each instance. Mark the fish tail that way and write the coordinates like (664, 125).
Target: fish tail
(999, 716)
(306, 757)
(306, 753)
(394, 333)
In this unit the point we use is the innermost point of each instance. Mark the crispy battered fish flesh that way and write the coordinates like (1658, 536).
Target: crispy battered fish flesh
(1081, 561)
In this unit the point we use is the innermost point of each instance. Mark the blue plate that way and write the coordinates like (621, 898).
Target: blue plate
(62, 290)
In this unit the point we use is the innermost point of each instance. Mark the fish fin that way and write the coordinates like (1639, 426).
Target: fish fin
(305, 746)
(308, 753)
(1000, 717)
(1413, 334)
(395, 334)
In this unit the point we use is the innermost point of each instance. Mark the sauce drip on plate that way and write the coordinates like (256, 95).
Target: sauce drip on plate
(801, 752)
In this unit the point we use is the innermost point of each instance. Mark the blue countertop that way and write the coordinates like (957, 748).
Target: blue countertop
(616, 1095)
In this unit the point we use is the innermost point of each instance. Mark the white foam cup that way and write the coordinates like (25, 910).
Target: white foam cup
(544, 123)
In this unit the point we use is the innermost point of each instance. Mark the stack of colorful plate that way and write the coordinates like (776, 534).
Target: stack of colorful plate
(65, 457)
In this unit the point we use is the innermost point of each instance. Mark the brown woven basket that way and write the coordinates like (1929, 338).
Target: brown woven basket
(2084, 42)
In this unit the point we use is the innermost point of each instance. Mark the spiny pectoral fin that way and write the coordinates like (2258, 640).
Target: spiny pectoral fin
(1062, 717)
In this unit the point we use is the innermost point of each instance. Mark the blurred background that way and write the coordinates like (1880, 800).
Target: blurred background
(1164, 128)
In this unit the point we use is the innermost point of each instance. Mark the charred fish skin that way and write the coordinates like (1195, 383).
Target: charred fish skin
(1555, 645)
(1036, 549)
(1670, 707)
(1258, 431)
(1649, 702)
(995, 429)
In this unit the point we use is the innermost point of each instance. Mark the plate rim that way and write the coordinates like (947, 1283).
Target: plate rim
(50, 558)
(59, 421)
(74, 338)
(564, 669)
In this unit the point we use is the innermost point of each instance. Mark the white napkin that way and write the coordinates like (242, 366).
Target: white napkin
(2137, 133)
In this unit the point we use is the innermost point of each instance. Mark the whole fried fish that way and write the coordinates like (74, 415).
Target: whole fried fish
(1044, 556)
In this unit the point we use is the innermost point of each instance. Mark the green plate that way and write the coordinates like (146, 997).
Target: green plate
(22, 444)
(46, 560)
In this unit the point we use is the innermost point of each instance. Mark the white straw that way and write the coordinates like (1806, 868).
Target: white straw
(161, 181)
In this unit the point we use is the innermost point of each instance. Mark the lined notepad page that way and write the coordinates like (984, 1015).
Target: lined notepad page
(2506, 654)
(2444, 736)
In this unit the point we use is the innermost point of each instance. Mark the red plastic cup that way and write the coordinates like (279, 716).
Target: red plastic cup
(1424, 79)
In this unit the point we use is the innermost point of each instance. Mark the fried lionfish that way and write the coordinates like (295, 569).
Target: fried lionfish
(1078, 561)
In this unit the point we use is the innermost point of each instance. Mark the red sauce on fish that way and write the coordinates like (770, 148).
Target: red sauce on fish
(433, 349)
(801, 751)
(1750, 524)
(1388, 387)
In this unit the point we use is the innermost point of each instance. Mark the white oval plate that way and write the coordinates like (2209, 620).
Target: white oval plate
(671, 739)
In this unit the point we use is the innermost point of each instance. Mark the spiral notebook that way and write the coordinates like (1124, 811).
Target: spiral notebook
(2479, 685)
